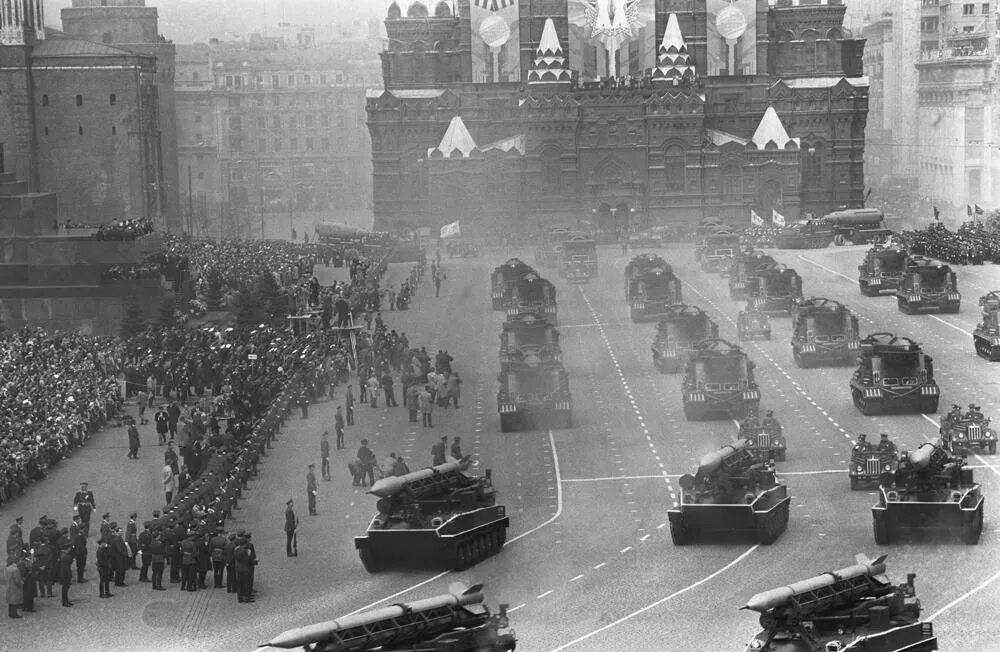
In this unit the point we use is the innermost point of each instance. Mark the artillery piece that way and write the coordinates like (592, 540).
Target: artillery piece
(931, 489)
(824, 331)
(986, 336)
(893, 375)
(854, 608)
(454, 622)
(927, 286)
(882, 270)
(731, 492)
(718, 382)
(678, 332)
(650, 287)
(504, 277)
(436, 517)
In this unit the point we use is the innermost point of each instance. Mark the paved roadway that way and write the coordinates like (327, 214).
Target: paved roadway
(589, 564)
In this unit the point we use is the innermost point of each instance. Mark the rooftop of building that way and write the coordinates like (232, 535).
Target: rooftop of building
(59, 44)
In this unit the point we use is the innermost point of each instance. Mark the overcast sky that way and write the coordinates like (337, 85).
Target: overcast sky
(188, 21)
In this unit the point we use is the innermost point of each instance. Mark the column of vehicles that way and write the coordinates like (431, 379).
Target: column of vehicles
(854, 226)
(920, 284)
(517, 288)
(678, 333)
(986, 336)
(534, 386)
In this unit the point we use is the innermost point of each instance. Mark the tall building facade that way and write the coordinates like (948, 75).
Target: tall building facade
(513, 115)
(272, 131)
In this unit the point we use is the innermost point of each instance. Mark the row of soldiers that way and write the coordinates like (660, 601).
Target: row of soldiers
(971, 244)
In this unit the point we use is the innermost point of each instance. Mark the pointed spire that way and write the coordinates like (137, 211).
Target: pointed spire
(672, 37)
(771, 130)
(549, 45)
(673, 61)
(456, 137)
(549, 66)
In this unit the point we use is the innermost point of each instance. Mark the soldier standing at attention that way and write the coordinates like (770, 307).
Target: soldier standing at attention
(349, 402)
(324, 452)
(143, 541)
(291, 524)
(132, 539)
(218, 555)
(78, 538)
(119, 557)
(104, 568)
(83, 502)
(338, 426)
(243, 559)
(157, 557)
(311, 489)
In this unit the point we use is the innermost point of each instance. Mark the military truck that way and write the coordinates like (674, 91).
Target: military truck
(986, 336)
(870, 461)
(927, 286)
(534, 397)
(930, 490)
(677, 333)
(857, 225)
(882, 270)
(453, 622)
(824, 332)
(969, 431)
(765, 439)
(438, 517)
(730, 493)
(579, 249)
(806, 234)
(550, 246)
(743, 270)
(532, 294)
(854, 608)
(778, 289)
(503, 279)
(720, 250)
(718, 382)
(650, 287)
(893, 375)
(529, 340)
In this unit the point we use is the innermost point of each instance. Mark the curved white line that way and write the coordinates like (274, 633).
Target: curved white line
(965, 595)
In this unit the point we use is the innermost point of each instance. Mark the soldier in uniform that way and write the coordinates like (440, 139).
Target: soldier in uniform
(79, 541)
(862, 443)
(324, 448)
(83, 502)
(188, 550)
(157, 558)
(291, 524)
(28, 580)
(243, 560)
(63, 570)
(36, 533)
(218, 546)
(132, 539)
(106, 526)
(311, 489)
(44, 561)
(438, 452)
(885, 445)
(143, 542)
(104, 555)
(229, 556)
(119, 554)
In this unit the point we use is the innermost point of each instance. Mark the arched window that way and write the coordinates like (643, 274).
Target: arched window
(551, 169)
(732, 182)
(673, 169)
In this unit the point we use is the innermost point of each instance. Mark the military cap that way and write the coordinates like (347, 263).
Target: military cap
(312, 466)
(19, 520)
(241, 532)
(147, 524)
(114, 525)
(289, 501)
(106, 515)
(133, 515)
(43, 520)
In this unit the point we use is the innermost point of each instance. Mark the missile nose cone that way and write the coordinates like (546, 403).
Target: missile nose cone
(386, 487)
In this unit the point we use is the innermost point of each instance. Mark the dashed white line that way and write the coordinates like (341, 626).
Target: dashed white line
(539, 597)
(600, 565)
(578, 577)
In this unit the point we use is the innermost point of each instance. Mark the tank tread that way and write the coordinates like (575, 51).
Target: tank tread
(475, 549)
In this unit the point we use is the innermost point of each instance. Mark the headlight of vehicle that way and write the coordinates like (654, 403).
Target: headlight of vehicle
(858, 468)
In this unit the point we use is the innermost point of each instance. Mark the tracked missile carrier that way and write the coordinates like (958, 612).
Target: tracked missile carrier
(720, 249)
(928, 286)
(579, 251)
(743, 271)
(528, 340)
(857, 225)
(808, 234)
(777, 291)
(893, 375)
(719, 382)
(852, 609)
(882, 270)
(503, 279)
(677, 333)
(869, 462)
(532, 294)
(986, 336)
(752, 324)
(438, 517)
(454, 622)
(931, 490)
(534, 397)
(730, 494)
(824, 332)
(650, 287)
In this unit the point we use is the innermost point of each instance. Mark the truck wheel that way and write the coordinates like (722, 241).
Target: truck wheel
(992, 448)
(800, 362)
(972, 529)
(679, 534)
(369, 562)
(882, 530)
(929, 405)
(767, 533)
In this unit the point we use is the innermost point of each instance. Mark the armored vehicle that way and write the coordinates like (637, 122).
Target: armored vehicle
(454, 622)
(824, 332)
(438, 517)
(931, 489)
(807, 234)
(720, 250)
(870, 461)
(528, 340)
(986, 337)
(650, 287)
(706, 226)
(743, 270)
(852, 609)
(777, 290)
(857, 225)
(730, 493)
(679, 330)
(882, 270)
(503, 279)
(550, 249)
(927, 286)
(534, 397)
(718, 382)
(752, 324)
(579, 249)
(969, 431)
(532, 294)
(893, 375)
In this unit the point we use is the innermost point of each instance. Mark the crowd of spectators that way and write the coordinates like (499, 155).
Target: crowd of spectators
(130, 272)
(972, 243)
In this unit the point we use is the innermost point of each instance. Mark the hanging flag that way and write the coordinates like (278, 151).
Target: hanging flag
(978, 210)
(968, 210)
(937, 214)
(777, 218)
(756, 219)
(494, 5)
(449, 230)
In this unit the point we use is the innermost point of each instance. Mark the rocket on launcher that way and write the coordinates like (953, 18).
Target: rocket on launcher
(393, 486)
(774, 598)
(710, 462)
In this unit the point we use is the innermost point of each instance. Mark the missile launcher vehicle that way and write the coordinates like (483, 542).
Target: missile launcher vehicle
(927, 286)
(534, 397)
(969, 431)
(882, 270)
(528, 340)
(852, 609)
(454, 622)
(777, 291)
(752, 324)
(731, 493)
(986, 336)
(807, 234)
(869, 462)
(650, 287)
(824, 332)
(503, 279)
(438, 517)
(677, 333)
(532, 294)
(930, 490)
(857, 225)
(720, 250)
(893, 375)
(744, 269)
(719, 382)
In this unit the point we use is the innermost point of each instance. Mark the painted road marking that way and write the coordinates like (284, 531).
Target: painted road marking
(962, 597)
(600, 565)
(578, 577)
(539, 597)
(976, 455)
(615, 478)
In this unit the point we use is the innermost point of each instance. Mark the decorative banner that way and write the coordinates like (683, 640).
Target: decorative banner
(449, 230)
(777, 218)
(756, 219)
(496, 41)
(612, 37)
(732, 37)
